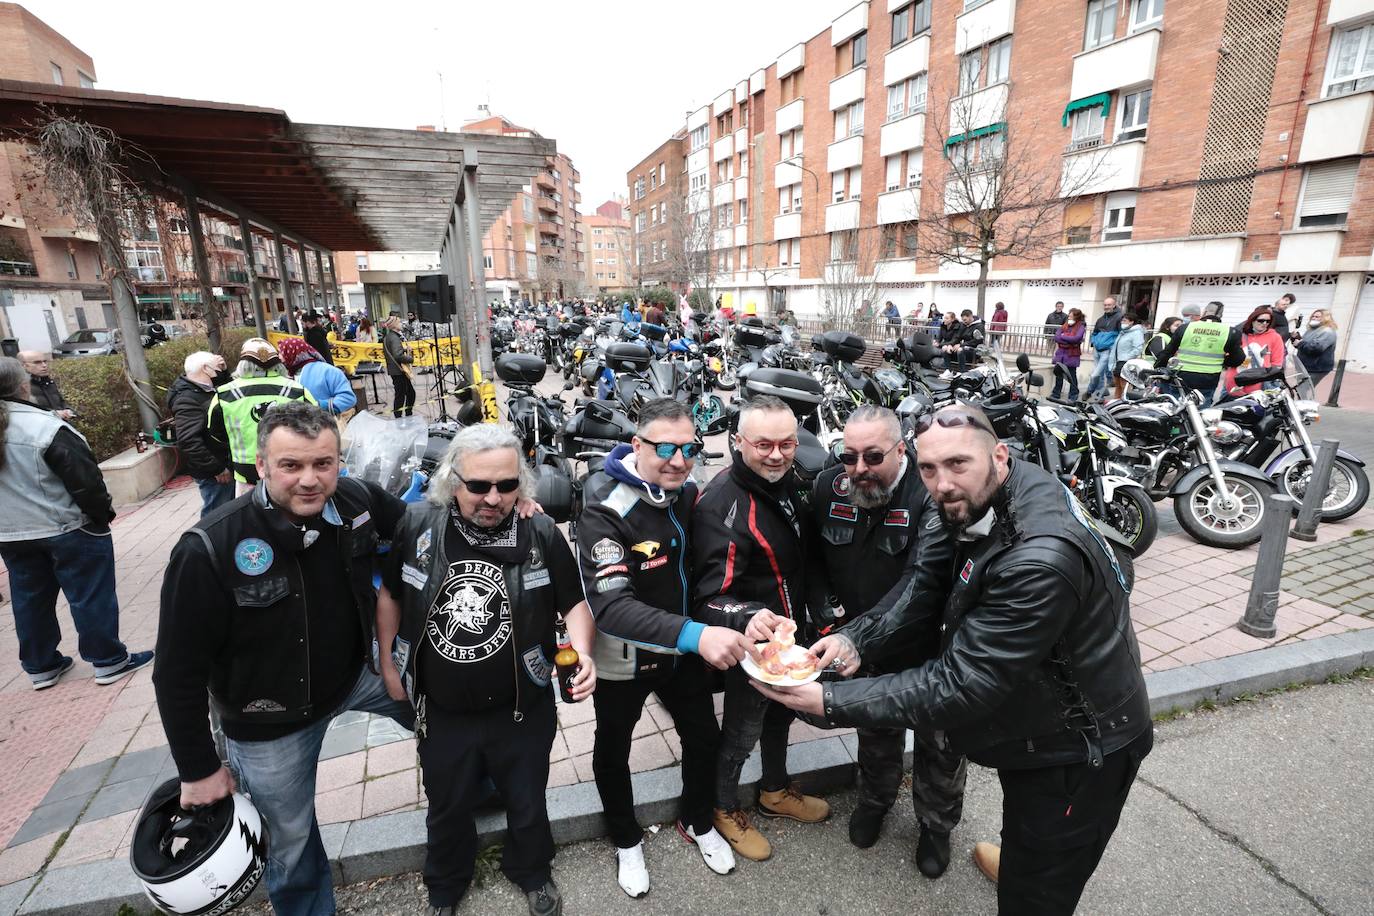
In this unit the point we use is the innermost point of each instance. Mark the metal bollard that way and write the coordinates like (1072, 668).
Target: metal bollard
(1263, 602)
(1333, 399)
(1311, 511)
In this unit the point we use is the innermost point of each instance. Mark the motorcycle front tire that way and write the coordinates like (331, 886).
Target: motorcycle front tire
(1196, 512)
(1357, 483)
(1132, 501)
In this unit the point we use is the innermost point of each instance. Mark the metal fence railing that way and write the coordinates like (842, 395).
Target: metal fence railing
(1031, 339)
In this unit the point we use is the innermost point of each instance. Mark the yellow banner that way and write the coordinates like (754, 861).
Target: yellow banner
(347, 355)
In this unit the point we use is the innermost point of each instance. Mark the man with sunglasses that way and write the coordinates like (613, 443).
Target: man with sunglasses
(634, 545)
(873, 512)
(751, 575)
(469, 600)
(1039, 677)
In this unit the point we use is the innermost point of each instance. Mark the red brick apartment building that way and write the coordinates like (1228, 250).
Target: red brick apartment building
(1203, 151)
(657, 188)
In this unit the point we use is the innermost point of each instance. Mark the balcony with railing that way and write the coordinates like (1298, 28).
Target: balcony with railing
(546, 203)
(1094, 167)
(17, 269)
(545, 181)
(548, 227)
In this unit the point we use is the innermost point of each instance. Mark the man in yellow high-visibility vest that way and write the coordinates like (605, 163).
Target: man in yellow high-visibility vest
(1204, 347)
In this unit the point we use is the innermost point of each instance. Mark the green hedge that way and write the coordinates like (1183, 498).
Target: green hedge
(96, 387)
(660, 295)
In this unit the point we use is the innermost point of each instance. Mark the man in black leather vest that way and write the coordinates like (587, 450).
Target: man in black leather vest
(1040, 672)
(470, 597)
(269, 602)
(874, 514)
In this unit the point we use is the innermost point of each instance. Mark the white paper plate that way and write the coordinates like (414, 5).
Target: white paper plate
(784, 682)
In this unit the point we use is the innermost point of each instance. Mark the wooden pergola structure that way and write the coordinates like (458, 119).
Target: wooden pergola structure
(312, 187)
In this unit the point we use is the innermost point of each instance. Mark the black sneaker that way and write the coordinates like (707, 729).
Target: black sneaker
(865, 824)
(932, 852)
(51, 679)
(546, 901)
(135, 661)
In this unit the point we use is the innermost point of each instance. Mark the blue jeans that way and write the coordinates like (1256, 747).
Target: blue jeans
(214, 494)
(82, 566)
(279, 776)
(1102, 373)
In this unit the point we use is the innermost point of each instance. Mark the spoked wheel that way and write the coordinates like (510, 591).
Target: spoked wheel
(727, 380)
(1230, 519)
(1346, 492)
(1132, 514)
(704, 413)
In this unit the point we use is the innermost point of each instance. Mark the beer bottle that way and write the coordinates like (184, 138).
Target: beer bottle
(566, 661)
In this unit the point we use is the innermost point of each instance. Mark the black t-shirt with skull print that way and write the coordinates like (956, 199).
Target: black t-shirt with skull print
(467, 663)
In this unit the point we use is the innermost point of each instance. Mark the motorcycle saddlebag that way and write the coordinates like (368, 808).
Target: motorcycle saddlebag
(842, 345)
(627, 357)
(521, 368)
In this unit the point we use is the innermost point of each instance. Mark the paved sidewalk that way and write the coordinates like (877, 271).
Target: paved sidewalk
(77, 760)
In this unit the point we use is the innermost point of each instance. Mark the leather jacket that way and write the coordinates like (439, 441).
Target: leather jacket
(1040, 664)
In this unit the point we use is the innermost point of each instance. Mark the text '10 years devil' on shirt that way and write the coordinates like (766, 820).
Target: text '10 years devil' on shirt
(466, 657)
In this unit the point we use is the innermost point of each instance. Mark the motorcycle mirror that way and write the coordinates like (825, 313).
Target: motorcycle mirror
(1022, 363)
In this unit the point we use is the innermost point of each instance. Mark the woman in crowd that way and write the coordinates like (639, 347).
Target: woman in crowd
(1317, 347)
(1068, 353)
(1262, 345)
(327, 384)
(1130, 343)
(365, 333)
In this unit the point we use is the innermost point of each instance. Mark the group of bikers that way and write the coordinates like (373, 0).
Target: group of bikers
(990, 617)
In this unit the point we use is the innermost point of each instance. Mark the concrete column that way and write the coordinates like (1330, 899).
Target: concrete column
(1170, 301)
(481, 324)
(254, 284)
(1343, 305)
(305, 277)
(319, 275)
(285, 283)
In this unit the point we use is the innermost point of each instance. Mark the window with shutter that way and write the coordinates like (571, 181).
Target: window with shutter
(894, 173)
(1326, 192)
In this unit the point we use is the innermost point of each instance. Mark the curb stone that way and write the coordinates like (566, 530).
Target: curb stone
(390, 844)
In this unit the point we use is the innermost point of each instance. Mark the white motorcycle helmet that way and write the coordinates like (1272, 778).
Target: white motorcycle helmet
(201, 862)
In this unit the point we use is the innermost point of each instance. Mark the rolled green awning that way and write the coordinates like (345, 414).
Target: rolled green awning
(1091, 101)
(974, 134)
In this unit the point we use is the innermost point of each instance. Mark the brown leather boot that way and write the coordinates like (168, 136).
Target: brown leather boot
(988, 858)
(789, 802)
(743, 837)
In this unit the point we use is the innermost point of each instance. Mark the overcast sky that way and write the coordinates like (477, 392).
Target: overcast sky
(608, 80)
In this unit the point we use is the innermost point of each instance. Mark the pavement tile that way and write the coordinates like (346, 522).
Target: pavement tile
(645, 726)
(674, 743)
(25, 859)
(45, 819)
(1182, 630)
(1351, 622)
(559, 750)
(1162, 642)
(649, 753)
(388, 793)
(1165, 662)
(583, 765)
(94, 840)
(340, 805)
(580, 738)
(389, 758)
(661, 717)
(80, 781)
(575, 713)
(139, 763)
(337, 772)
(562, 773)
(116, 798)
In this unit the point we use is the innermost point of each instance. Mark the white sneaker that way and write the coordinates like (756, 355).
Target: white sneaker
(715, 851)
(634, 875)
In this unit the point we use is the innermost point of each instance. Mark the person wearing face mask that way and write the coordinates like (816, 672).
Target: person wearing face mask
(872, 512)
(634, 547)
(1130, 343)
(1039, 676)
(1068, 350)
(268, 602)
(1317, 346)
(750, 565)
(205, 458)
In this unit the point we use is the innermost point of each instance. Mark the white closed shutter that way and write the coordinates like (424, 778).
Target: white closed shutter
(1328, 187)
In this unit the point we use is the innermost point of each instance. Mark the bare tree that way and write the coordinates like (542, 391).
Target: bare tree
(850, 286)
(992, 196)
(88, 173)
(691, 241)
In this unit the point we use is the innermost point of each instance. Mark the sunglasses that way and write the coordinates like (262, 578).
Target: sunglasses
(1260, 321)
(666, 450)
(871, 457)
(953, 419)
(785, 447)
(483, 487)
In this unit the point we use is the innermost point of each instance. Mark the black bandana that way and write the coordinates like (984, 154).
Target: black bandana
(502, 535)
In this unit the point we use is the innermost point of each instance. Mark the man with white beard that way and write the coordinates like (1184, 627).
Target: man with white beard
(873, 513)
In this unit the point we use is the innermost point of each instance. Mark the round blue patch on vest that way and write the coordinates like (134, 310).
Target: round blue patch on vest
(253, 556)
